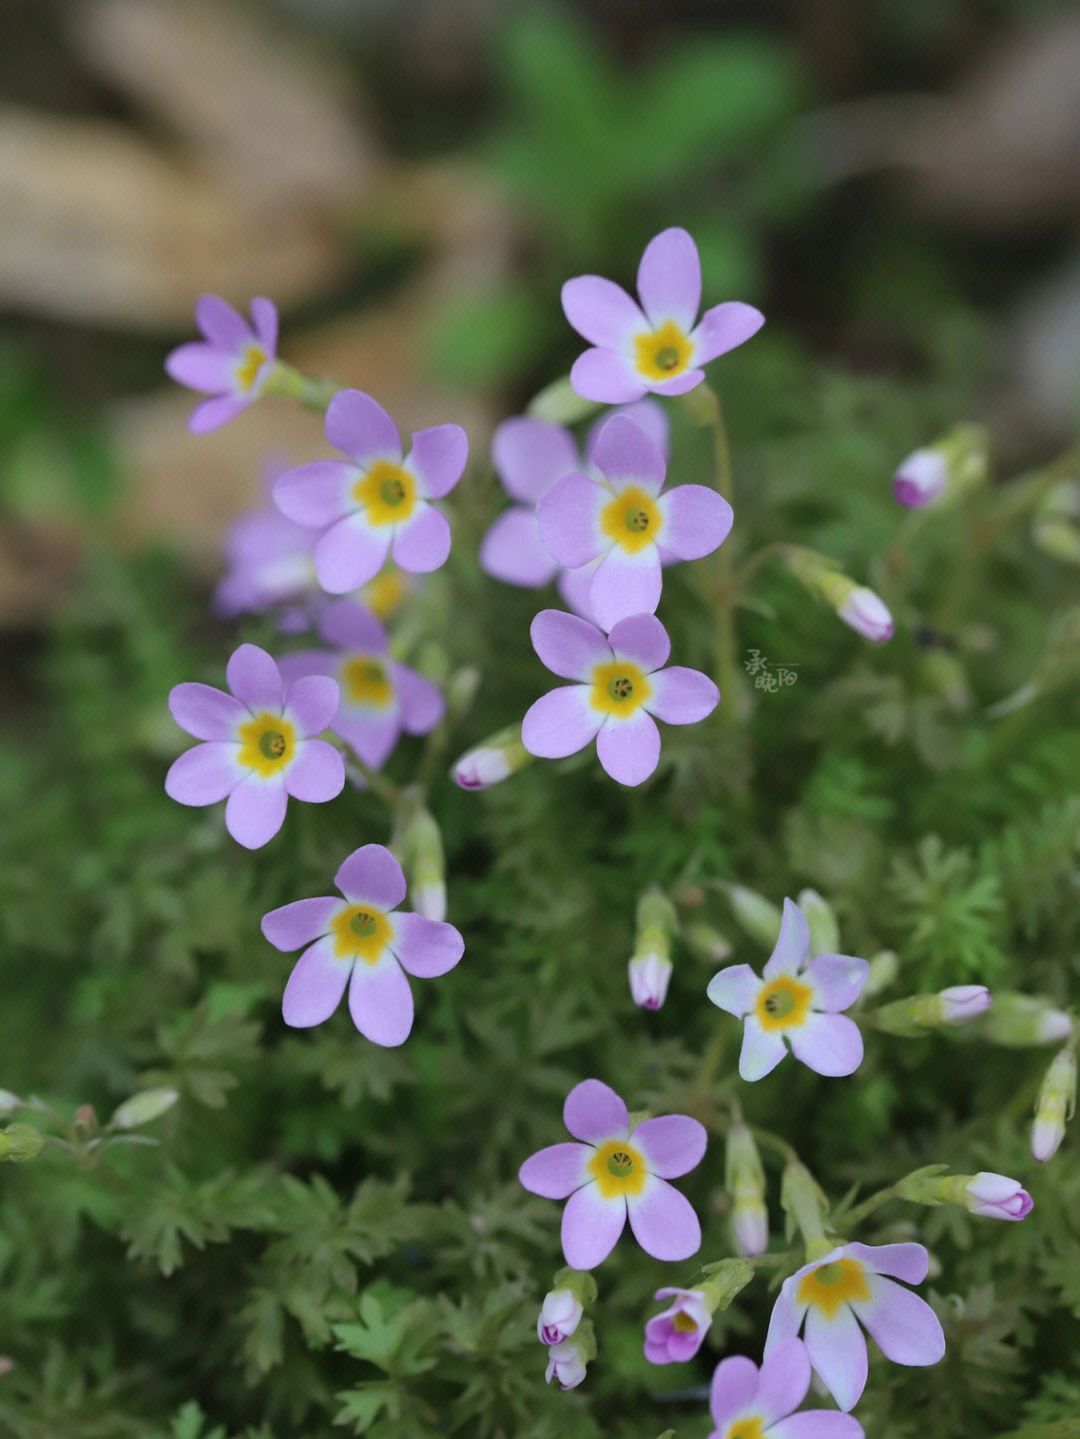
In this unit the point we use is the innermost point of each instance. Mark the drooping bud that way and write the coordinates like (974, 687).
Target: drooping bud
(755, 913)
(649, 975)
(1055, 1105)
(824, 931)
(915, 1014)
(142, 1108)
(744, 1180)
(560, 1314)
(493, 761)
(567, 1361)
(1019, 1020)
(560, 404)
(921, 478)
(805, 1205)
(856, 605)
(948, 468)
(650, 964)
(705, 942)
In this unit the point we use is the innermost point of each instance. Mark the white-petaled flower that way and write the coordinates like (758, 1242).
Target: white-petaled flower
(798, 999)
(565, 1364)
(560, 1314)
(649, 975)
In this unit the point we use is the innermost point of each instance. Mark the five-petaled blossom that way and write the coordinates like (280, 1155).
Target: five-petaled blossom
(750, 1403)
(614, 1172)
(797, 999)
(361, 942)
(232, 363)
(849, 1287)
(378, 503)
(676, 1335)
(379, 696)
(258, 749)
(529, 455)
(619, 684)
(617, 517)
(659, 345)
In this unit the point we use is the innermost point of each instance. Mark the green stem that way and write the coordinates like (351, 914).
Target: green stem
(867, 1207)
(287, 383)
(390, 793)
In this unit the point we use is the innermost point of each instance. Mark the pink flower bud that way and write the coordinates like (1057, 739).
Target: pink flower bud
(920, 478)
(963, 1002)
(480, 768)
(565, 1364)
(865, 612)
(997, 1197)
(559, 1316)
(649, 976)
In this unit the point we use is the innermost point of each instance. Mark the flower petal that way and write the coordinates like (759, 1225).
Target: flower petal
(734, 989)
(205, 712)
(349, 626)
(381, 1002)
(568, 519)
(827, 1043)
(529, 455)
(317, 774)
(696, 521)
(422, 703)
(643, 640)
(681, 695)
(838, 1353)
(512, 551)
(672, 1144)
(607, 377)
(624, 453)
(425, 947)
(909, 1262)
(560, 723)
(316, 494)
(647, 415)
(264, 318)
(371, 875)
(555, 1172)
(423, 542)
(311, 702)
(591, 1226)
(669, 279)
(438, 458)
(785, 1378)
(220, 323)
(629, 750)
(255, 810)
(679, 385)
(371, 736)
(569, 646)
(574, 586)
(361, 428)
(734, 1388)
(212, 414)
(255, 679)
(301, 922)
(664, 1222)
(762, 1050)
(625, 585)
(349, 554)
(593, 1112)
(601, 311)
(793, 943)
(787, 1314)
(315, 986)
(723, 327)
(902, 1325)
(203, 775)
(838, 978)
(200, 367)
(818, 1424)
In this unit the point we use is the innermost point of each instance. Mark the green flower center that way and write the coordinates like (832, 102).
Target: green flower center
(620, 1164)
(667, 357)
(780, 1003)
(363, 925)
(621, 687)
(637, 520)
(272, 744)
(392, 492)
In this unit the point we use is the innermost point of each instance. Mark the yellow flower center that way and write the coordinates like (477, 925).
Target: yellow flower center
(267, 744)
(618, 1168)
(746, 1429)
(248, 369)
(385, 592)
(684, 1323)
(619, 688)
(360, 931)
(631, 519)
(664, 353)
(365, 682)
(387, 492)
(783, 1003)
(831, 1285)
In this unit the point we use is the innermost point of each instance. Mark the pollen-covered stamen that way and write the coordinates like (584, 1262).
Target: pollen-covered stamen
(620, 1164)
(621, 687)
(637, 519)
(667, 358)
(392, 491)
(247, 371)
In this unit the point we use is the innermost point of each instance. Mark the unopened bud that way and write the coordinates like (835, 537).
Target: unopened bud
(805, 1205)
(705, 942)
(948, 468)
(755, 913)
(744, 1180)
(994, 1196)
(567, 1361)
(1056, 527)
(420, 851)
(560, 404)
(884, 967)
(1019, 1020)
(1055, 1105)
(20, 1142)
(9, 1102)
(921, 478)
(494, 760)
(824, 931)
(560, 1314)
(649, 975)
(963, 1002)
(650, 964)
(856, 605)
(917, 1013)
(143, 1108)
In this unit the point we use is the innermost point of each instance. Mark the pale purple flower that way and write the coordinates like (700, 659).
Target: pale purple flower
(649, 975)
(798, 999)
(363, 942)
(560, 1314)
(619, 686)
(529, 455)
(750, 1403)
(232, 363)
(565, 1364)
(963, 1002)
(676, 1335)
(377, 504)
(269, 561)
(379, 696)
(995, 1196)
(616, 519)
(849, 1287)
(259, 749)
(614, 1172)
(659, 345)
(867, 613)
(920, 478)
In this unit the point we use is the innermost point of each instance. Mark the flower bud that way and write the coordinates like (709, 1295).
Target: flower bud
(143, 1108)
(705, 942)
(650, 964)
(996, 1196)
(560, 404)
(494, 760)
(560, 1314)
(856, 605)
(1019, 1020)
(758, 917)
(649, 975)
(1055, 1105)
(805, 1205)
(920, 478)
(952, 465)
(963, 1002)
(744, 1180)
(884, 967)
(1055, 526)
(824, 931)
(420, 851)
(676, 1335)
(20, 1142)
(566, 1364)
(9, 1102)
(917, 1013)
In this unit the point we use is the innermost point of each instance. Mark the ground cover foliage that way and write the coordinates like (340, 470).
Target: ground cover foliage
(327, 1237)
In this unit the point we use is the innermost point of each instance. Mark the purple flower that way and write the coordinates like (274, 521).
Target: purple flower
(379, 696)
(362, 943)
(269, 562)
(848, 1287)
(232, 363)
(921, 478)
(748, 1403)
(566, 1364)
(799, 1000)
(617, 520)
(378, 504)
(997, 1197)
(614, 1172)
(676, 1335)
(649, 975)
(259, 749)
(619, 686)
(529, 455)
(657, 346)
(560, 1314)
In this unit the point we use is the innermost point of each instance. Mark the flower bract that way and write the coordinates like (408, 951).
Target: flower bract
(231, 363)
